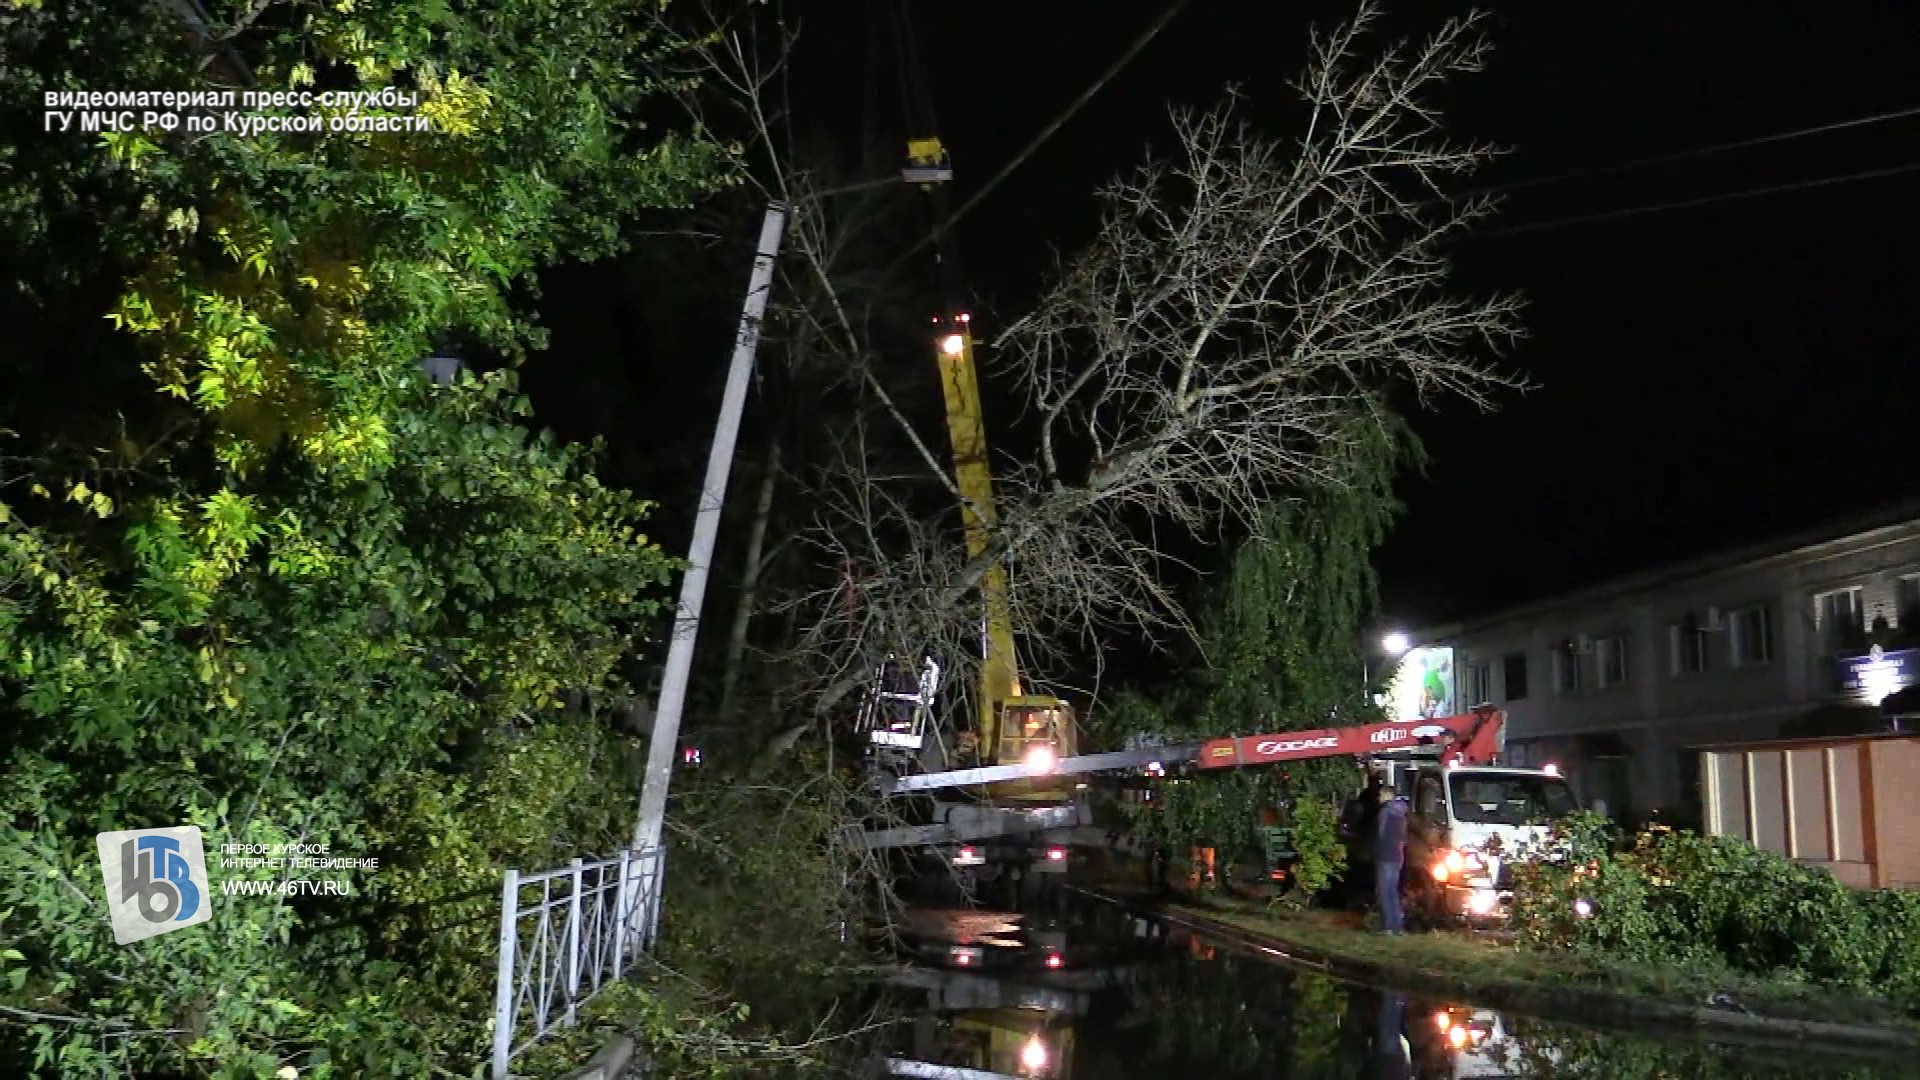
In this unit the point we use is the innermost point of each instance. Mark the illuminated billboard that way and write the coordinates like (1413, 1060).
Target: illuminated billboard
(1422, 686)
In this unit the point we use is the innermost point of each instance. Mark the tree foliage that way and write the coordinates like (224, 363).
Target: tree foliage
(277, 282)
(382, 678)
(255, 575)
(1280, 638)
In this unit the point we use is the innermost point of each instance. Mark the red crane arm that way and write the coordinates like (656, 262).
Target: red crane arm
(1470, 738)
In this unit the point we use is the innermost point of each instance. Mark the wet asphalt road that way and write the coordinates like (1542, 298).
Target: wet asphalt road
(1076, 989)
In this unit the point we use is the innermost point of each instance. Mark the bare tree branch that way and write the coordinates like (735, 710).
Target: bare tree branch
(1234, 328)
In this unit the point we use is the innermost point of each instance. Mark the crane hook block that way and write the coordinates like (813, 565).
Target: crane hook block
(927, 162)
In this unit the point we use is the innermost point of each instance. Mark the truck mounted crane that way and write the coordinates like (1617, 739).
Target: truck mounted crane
(1021, 819)
(1017, 763)
(1029, 817)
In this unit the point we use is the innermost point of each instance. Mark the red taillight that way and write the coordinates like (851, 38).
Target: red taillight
(1056, 854)
(1053, 960)
(969, 853)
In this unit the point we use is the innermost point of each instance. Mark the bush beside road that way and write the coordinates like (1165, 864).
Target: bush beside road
(1718, 902)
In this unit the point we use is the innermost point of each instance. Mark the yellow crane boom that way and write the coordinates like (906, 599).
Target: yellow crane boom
(973, 475)
(1013, 726)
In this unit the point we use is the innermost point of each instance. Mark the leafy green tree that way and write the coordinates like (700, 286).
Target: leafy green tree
(256, 575)
(383, 680)
(276, 282)
(1281, 653)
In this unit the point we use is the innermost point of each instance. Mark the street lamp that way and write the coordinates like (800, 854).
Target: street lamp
(1393, 644)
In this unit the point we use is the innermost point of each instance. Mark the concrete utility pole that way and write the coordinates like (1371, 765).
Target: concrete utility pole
(706, 528)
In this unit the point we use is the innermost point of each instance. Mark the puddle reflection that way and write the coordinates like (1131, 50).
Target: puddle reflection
(1093, 992)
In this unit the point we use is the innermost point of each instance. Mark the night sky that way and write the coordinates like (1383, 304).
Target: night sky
(1708, 375)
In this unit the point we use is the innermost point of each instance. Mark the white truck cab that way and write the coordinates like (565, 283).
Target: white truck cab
(1467, 826)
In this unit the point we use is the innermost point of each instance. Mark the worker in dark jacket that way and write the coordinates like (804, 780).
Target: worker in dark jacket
(1389, 854)
(1357, 814)
(1357, 825)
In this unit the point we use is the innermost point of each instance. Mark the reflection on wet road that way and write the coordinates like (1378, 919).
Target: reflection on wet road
(1080, 990)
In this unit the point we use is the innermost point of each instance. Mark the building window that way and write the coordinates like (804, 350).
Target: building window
(1515, 676)
(1687, 642)
(1479, 683)
(1841, 621)
(1610, 660)
(1906, 603)
(1572, 668)
(1752, 636)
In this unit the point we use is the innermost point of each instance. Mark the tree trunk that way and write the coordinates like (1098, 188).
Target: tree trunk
(749, 586)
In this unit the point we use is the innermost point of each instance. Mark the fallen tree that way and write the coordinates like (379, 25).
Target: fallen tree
(1231, 338)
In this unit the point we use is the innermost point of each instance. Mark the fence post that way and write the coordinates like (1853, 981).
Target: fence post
(620, 907)
(503, 991)
(573, 945)
(654, 891)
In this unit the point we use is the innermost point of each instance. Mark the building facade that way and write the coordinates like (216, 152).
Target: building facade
(1619, 683)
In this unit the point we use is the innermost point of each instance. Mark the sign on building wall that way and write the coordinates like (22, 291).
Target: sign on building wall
(1423, 686)
(1872, 678)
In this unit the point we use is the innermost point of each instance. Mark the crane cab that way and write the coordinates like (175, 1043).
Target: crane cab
(1036, 731)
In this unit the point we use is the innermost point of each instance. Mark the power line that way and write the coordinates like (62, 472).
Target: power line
(1139, 45)
(1702, 151)
(1705, 200)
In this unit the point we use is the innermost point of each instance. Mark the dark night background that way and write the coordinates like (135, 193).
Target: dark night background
(1708, 375)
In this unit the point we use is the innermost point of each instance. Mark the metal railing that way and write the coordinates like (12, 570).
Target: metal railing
(583, 929)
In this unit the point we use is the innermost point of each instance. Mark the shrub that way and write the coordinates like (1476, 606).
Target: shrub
(1579, 873)
(1316, 838)
(1896, 917)
(1679, 895)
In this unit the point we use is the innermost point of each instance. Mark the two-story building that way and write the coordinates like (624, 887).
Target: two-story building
(1615, 683)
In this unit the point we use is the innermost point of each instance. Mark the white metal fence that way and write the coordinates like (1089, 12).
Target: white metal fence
(564, 934)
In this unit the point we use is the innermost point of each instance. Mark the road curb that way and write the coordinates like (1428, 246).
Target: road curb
(1588, 1007)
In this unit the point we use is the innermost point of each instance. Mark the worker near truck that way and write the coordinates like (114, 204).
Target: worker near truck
(1389, 855)
(1358, 822)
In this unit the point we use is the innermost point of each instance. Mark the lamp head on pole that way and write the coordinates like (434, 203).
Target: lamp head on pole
(1395, 643)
